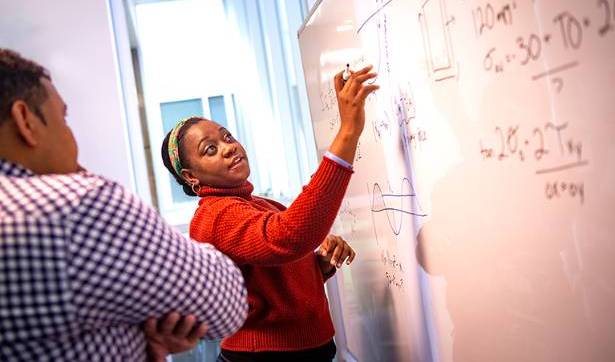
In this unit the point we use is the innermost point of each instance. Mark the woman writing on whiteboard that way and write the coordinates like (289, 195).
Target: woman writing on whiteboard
(288, 316)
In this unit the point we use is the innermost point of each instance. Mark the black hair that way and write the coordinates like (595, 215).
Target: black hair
(166, 160)
(20, 79)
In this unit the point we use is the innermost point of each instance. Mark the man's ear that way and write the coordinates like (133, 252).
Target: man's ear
(26, 122)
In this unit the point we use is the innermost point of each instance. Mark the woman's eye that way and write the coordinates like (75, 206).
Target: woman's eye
(210, 150)
(228, 138)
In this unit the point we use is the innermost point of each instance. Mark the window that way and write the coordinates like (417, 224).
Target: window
(171, 112)
(217, 110)
(236, 62)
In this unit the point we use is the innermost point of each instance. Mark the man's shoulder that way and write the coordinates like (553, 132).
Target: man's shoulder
(81, 180)
(70, 187)
(53, 194)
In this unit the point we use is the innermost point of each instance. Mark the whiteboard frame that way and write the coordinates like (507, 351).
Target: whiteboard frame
(335, 305)
(332, 285)
(309, 16)
(333, 294)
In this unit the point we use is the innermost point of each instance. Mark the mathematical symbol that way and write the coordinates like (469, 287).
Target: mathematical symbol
(559, 83)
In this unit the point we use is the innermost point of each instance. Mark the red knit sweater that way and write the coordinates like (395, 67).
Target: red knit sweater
(274, 248)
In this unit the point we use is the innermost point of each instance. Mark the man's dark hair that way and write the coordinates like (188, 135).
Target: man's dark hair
(20, 79)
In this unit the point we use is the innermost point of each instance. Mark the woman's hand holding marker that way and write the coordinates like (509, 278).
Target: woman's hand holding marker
(351, 95)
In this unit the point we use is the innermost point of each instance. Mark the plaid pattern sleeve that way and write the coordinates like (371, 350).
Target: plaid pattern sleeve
(83, 263)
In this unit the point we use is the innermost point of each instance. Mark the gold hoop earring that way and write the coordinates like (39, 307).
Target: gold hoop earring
(196, 188)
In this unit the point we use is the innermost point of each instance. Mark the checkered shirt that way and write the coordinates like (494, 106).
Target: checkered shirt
(83, 263)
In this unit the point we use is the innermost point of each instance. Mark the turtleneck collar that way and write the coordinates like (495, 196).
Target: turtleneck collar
(244, 190)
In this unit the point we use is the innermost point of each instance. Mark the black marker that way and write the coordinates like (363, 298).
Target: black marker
(346, 74)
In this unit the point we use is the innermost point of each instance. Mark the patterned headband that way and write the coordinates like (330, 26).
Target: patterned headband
(174, 146)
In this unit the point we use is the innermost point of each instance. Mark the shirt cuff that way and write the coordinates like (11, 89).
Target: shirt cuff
(338, 160)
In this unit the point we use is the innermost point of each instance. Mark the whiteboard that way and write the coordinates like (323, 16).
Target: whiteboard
(482, 206)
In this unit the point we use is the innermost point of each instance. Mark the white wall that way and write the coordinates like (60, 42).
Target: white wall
(75, 41)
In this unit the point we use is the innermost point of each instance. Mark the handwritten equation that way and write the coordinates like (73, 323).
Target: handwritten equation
(347, 216)
(402, 114)
(486, 17)
(394, 270)
(567, 30)
(551, 147)
(328, 99)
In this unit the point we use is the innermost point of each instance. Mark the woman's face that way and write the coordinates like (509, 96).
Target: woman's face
(213, 156)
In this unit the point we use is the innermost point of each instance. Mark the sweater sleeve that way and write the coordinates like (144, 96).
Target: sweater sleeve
(249, 235)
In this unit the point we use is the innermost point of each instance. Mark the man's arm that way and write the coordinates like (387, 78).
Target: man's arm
(127, 264)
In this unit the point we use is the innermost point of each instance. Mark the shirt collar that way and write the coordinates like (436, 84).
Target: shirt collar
(8, 168)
